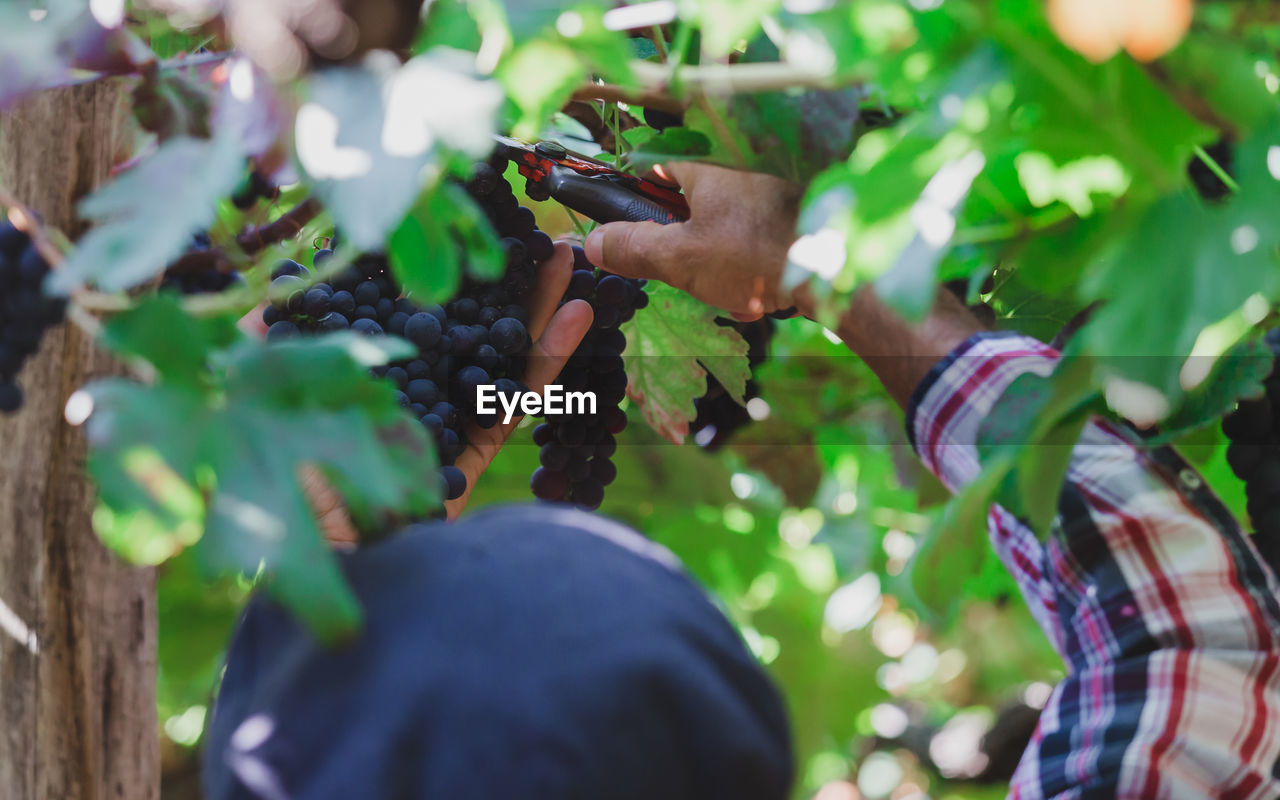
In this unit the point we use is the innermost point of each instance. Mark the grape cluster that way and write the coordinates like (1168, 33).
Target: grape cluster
(202, 281)
(576, 454)
(25, 311)
(255, 187)
(718, 414)
(1254, 452)
(480, 337)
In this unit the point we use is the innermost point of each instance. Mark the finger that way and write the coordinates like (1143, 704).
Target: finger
(549, 354)
(639, 250)
(552, 280)
(328, 508)
(546, 358)
(252, 323)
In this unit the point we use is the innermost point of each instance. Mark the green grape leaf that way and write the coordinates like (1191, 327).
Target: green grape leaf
(449, 23)
(539, 76)
(957, 543)
(726, 23)
(1195, 264)
(671, 346)
(796, 134)
(1237, 375)
(365, 137)
(444, 231)
(672, 144)
(177, 345)
(217, 465)
(146, 217)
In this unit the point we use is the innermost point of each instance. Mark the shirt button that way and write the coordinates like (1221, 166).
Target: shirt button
(1190, 479)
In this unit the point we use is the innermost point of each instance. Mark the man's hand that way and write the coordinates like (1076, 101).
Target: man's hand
(730, 254)
(555, 333)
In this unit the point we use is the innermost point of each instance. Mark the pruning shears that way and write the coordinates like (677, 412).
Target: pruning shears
(593, 188)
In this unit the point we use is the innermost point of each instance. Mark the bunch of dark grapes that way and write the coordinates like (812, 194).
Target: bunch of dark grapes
(255, 187)
(719, 416)
(25, 311)
(200, 281)
(480, 337)
(1254, 456)
(577, 449)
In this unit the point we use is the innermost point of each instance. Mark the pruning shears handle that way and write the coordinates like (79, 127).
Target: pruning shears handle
(602, 200)
(592, 188)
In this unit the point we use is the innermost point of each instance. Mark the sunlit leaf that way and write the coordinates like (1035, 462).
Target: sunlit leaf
(671, 346)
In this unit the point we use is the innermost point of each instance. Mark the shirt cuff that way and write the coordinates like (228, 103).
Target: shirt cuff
(948, 406)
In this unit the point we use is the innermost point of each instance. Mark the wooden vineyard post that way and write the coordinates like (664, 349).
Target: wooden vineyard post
(77, 626)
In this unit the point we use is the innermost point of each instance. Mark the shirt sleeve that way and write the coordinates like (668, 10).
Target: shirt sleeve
(1165, 615)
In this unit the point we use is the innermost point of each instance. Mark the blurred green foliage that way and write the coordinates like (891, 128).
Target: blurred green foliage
(958, 140)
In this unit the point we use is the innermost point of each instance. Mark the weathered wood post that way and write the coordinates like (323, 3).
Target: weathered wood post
(77, 627)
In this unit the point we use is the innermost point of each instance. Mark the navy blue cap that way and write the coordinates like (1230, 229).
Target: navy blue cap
(527, 652)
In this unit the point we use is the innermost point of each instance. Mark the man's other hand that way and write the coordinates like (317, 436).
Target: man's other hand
(730, 253)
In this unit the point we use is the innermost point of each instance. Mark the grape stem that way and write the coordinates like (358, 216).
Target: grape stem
(1216, 169)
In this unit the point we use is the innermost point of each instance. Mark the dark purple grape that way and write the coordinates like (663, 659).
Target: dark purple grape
(316, 302)
(333, 321)
(588, 494)
(343, 303)
(367, 293)
(508, 336)
(603, 470)
(287, 266)
(10, 397)
(398, 376)
(582, 284)
(455, 482)
(423, 329)
(554, 455)
(284, 329)
(549, 484)
(368, 327)
(423, 391)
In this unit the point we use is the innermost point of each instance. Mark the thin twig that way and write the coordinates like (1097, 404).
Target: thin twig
(723, 133)
(1216, 168)
(659, 43)
(197, 60)
(30, 223)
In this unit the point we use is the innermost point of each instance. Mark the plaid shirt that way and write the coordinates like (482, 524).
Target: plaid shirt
(1167, 619)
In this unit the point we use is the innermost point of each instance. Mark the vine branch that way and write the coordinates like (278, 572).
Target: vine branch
(703, 80)
(1192, 103)
(251, 241)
